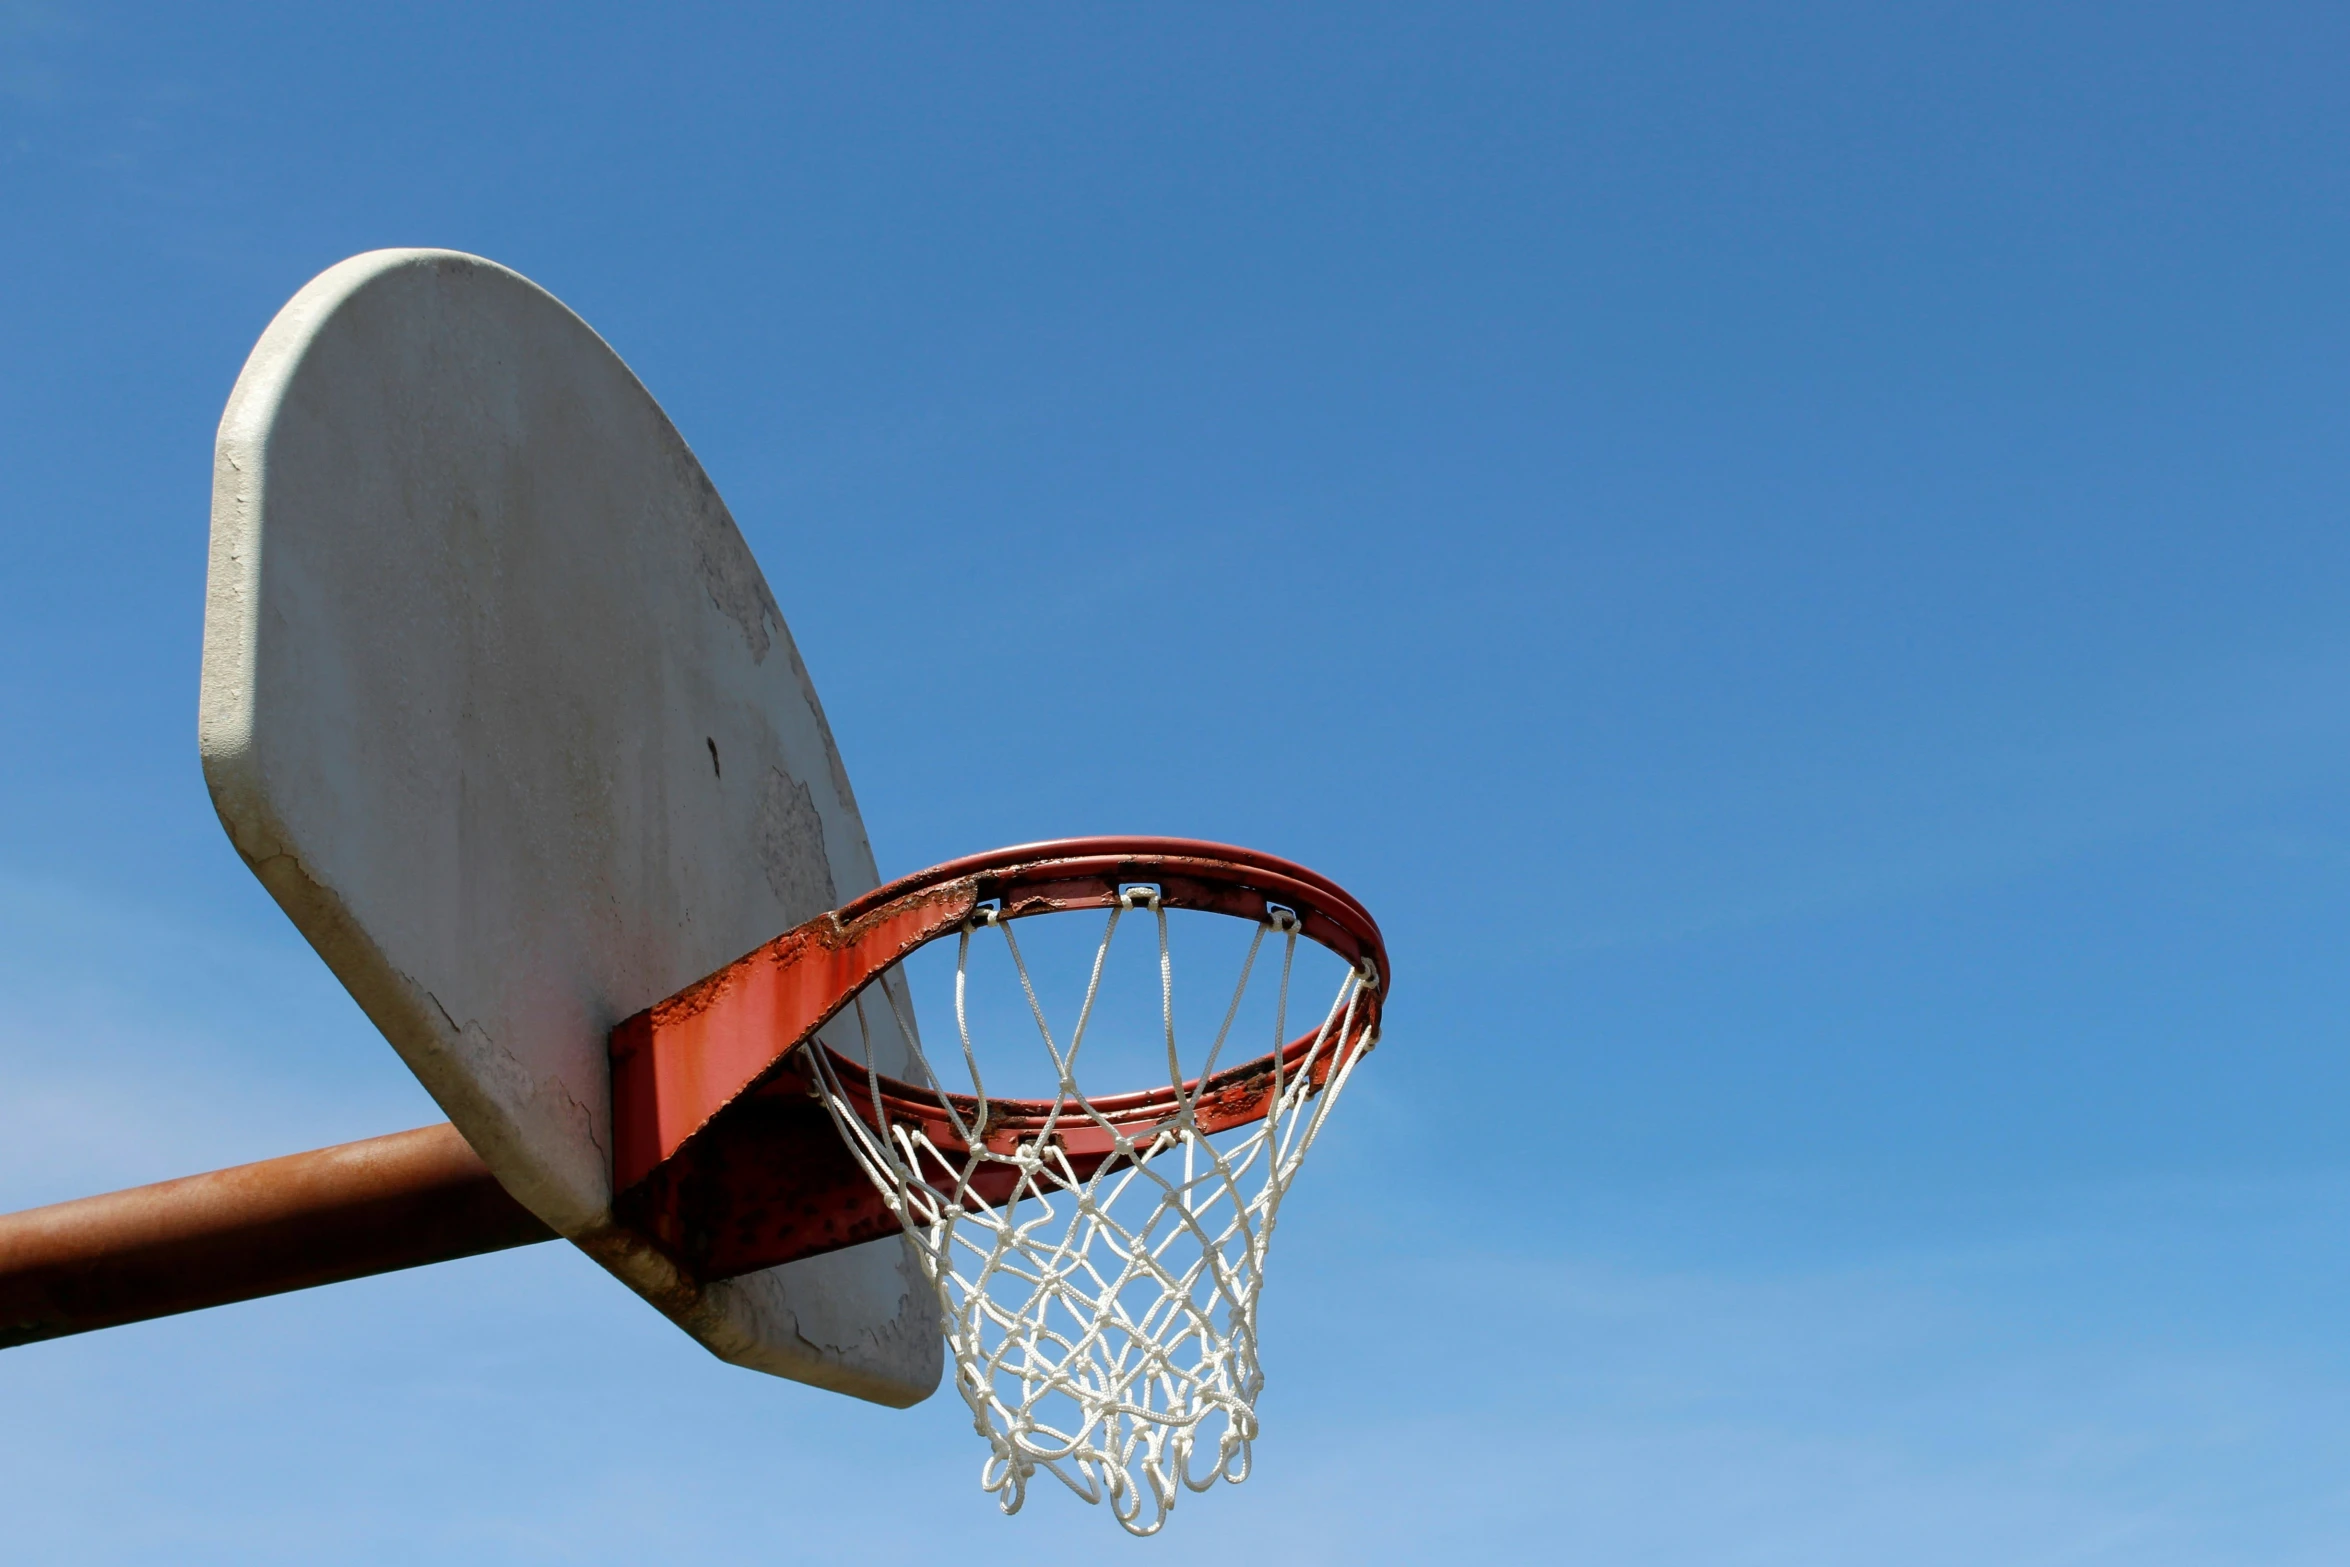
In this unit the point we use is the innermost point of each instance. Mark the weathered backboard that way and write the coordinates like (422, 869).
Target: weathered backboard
(498, 706)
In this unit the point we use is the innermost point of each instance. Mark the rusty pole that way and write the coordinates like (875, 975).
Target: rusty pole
(257, 1229)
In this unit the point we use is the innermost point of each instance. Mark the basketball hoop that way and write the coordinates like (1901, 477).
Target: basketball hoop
(1097, 1256)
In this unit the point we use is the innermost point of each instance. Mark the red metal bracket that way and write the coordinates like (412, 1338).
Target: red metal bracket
(724, 1157)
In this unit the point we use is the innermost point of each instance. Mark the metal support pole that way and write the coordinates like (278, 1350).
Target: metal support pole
(258, 1229)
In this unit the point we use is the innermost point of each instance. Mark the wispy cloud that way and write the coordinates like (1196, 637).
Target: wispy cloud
(2138, 1374)
(1877, 819)
(135, 1046)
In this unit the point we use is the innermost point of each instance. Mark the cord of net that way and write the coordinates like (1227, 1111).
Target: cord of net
(1102, 1311)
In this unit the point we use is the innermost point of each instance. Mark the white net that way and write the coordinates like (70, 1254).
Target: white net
(1102, 1311)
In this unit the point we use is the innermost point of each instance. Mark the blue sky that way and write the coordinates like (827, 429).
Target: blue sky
(1795, 559)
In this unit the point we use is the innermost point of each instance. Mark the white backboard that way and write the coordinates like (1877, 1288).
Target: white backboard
(499, 707)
